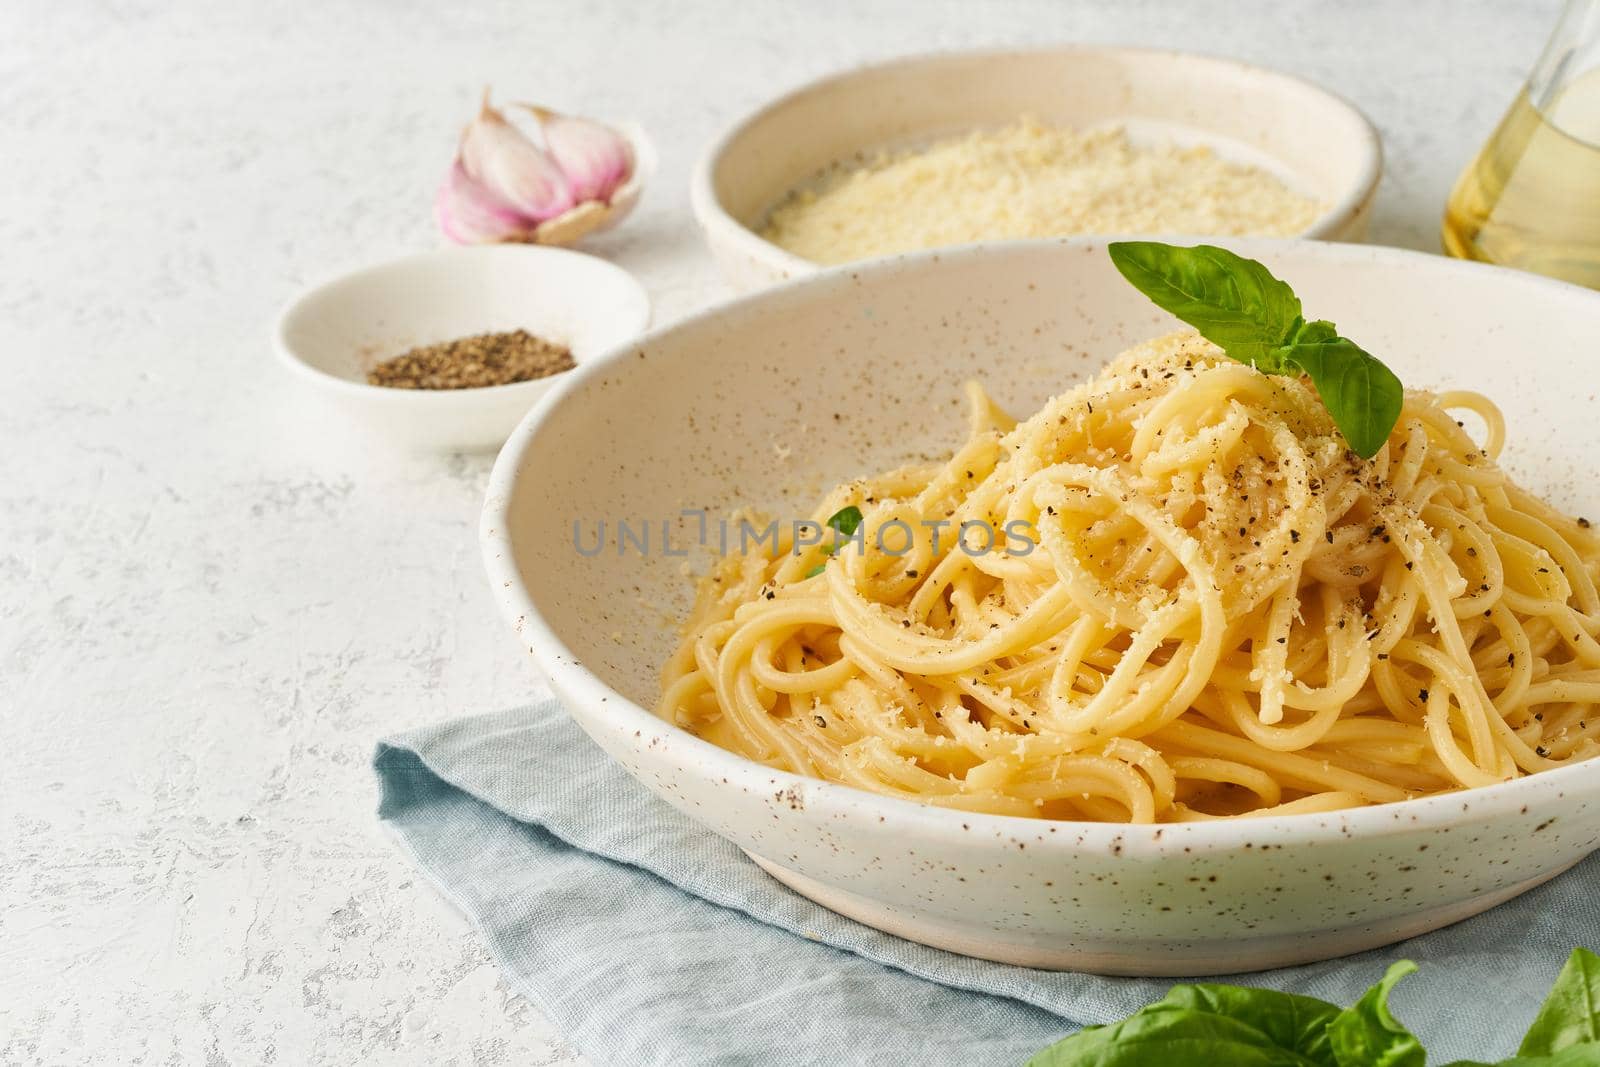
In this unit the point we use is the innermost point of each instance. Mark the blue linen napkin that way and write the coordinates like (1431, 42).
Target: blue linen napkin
(649, 940)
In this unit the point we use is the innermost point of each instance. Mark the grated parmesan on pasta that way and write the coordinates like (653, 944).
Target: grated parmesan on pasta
(1030, 179)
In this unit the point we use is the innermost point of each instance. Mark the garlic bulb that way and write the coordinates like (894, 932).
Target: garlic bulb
(506, 186)
(595, 158)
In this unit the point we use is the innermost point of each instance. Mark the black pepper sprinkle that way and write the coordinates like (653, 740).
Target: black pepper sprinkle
(1422, 695)
(474, 362)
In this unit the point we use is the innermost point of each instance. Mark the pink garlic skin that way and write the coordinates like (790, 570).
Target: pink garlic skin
(595, 158)
(497, 156)
(471, 213)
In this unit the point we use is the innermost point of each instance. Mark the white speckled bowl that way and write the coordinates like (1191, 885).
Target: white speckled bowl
(332, 334)
(856, 369)
(1314, 140)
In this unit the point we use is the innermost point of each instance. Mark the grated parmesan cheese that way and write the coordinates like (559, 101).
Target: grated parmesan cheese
(1032, 180)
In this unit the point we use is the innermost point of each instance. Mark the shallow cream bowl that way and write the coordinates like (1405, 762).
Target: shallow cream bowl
(1317, 142)
(764, 401)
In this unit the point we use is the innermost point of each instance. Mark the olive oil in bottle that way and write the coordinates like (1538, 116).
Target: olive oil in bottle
(1532, 197)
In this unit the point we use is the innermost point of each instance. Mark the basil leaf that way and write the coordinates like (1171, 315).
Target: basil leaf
(1226, 1025)
(1367, 1035)
(1571, 1056)
(846, 520)
(1570, 1015)
(1238, 305)
(1293, 1021)
(1234, 302)
(1214, 1024)
(1363, 396)
(1315, 332)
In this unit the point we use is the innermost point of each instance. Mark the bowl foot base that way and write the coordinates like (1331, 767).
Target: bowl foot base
(1148, 959)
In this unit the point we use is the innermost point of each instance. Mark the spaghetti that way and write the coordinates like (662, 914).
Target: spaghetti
(1192, 601)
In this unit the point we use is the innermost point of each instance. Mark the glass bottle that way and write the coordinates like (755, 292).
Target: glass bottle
(1532, 197)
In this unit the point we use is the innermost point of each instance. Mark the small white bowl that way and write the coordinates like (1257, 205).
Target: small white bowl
(331, 335)
(1315, 141)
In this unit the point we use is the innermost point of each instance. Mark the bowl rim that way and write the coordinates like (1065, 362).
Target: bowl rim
(634, 308)
(722, 227)
(634, 724)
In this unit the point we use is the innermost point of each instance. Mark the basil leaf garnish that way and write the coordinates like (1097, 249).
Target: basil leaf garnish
(1570, 1015)
(1571, 1056)
(1214, 1024)
(1254, 317)
(1361, 394)
(1234, 1025)
(844, 522)
(1367, 1033)
(1234, 302)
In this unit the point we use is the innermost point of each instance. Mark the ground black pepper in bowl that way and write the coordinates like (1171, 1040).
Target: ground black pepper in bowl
(474, 362)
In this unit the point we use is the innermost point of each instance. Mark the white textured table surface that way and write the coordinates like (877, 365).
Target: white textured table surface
(211, 604)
